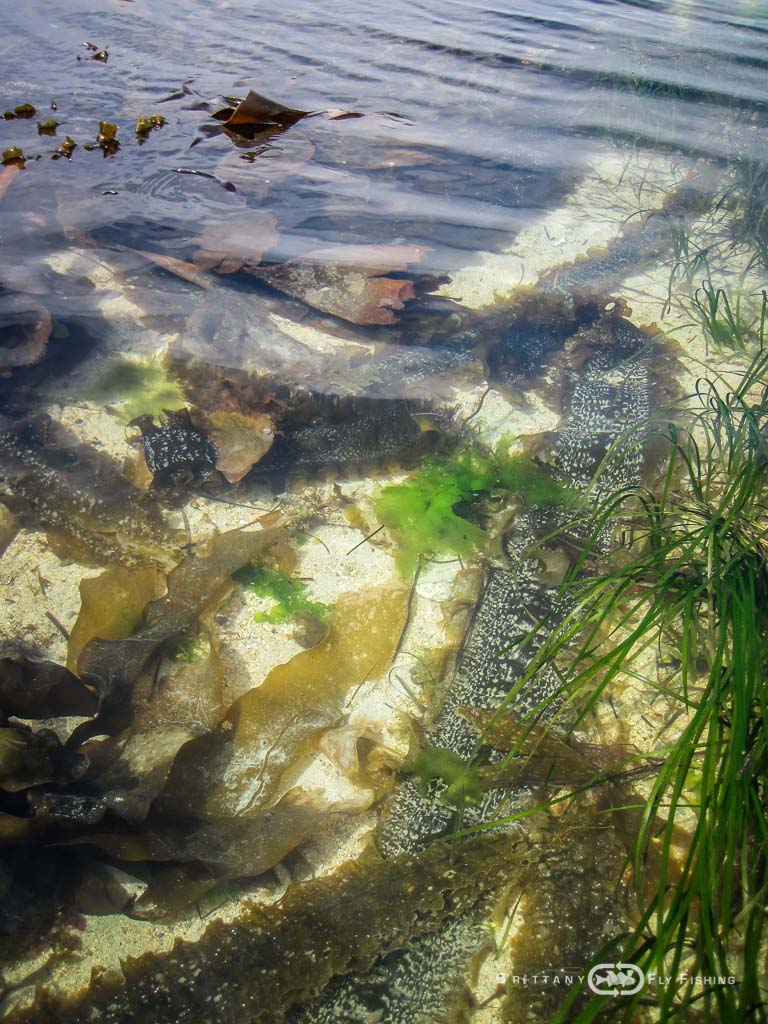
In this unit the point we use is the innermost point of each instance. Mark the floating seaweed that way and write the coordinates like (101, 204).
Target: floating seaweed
(255, 114)
(145, 125)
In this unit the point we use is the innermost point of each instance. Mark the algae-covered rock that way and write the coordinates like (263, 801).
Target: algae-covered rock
(235, 349)
(176, 451)
(62, 485)
(269, 959)
(434, 510)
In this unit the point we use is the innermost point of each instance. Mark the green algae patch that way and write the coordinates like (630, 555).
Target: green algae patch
(288, 594)
(138, 389)
(534, 485)
(431, 510)
(434, 766)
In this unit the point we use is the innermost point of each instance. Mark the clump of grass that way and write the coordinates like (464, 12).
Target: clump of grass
(138, 389)
(433, 511)
(732, 316)
(288, 594)
(696, 575)
(746, 199)
(730, 319)
(688, 259)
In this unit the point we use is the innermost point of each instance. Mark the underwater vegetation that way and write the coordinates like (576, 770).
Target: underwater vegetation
(288, 594)
(460, 782)
(165, 774)
(608, 390)
(188, 788)
(745, 197)
(695, 581)
(433, 510)
(65, 789)
(733, 320)
(732, 314)
(137, 388)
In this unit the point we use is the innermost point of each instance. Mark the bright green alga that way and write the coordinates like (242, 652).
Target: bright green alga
(431, 509)
(289, 595)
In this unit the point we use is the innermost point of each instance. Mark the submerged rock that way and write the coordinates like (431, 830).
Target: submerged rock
(52, 480)
(377, 434)
(271, 958)
(176, 449)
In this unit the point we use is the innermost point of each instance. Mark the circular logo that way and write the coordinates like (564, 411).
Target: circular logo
(615, 979)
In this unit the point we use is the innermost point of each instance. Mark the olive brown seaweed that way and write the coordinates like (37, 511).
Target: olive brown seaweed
(239, 770)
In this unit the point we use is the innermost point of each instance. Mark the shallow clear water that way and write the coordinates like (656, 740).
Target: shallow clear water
(477, 116)
(441, 252)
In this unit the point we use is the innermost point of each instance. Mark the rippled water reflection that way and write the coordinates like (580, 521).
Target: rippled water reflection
(477, 117)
